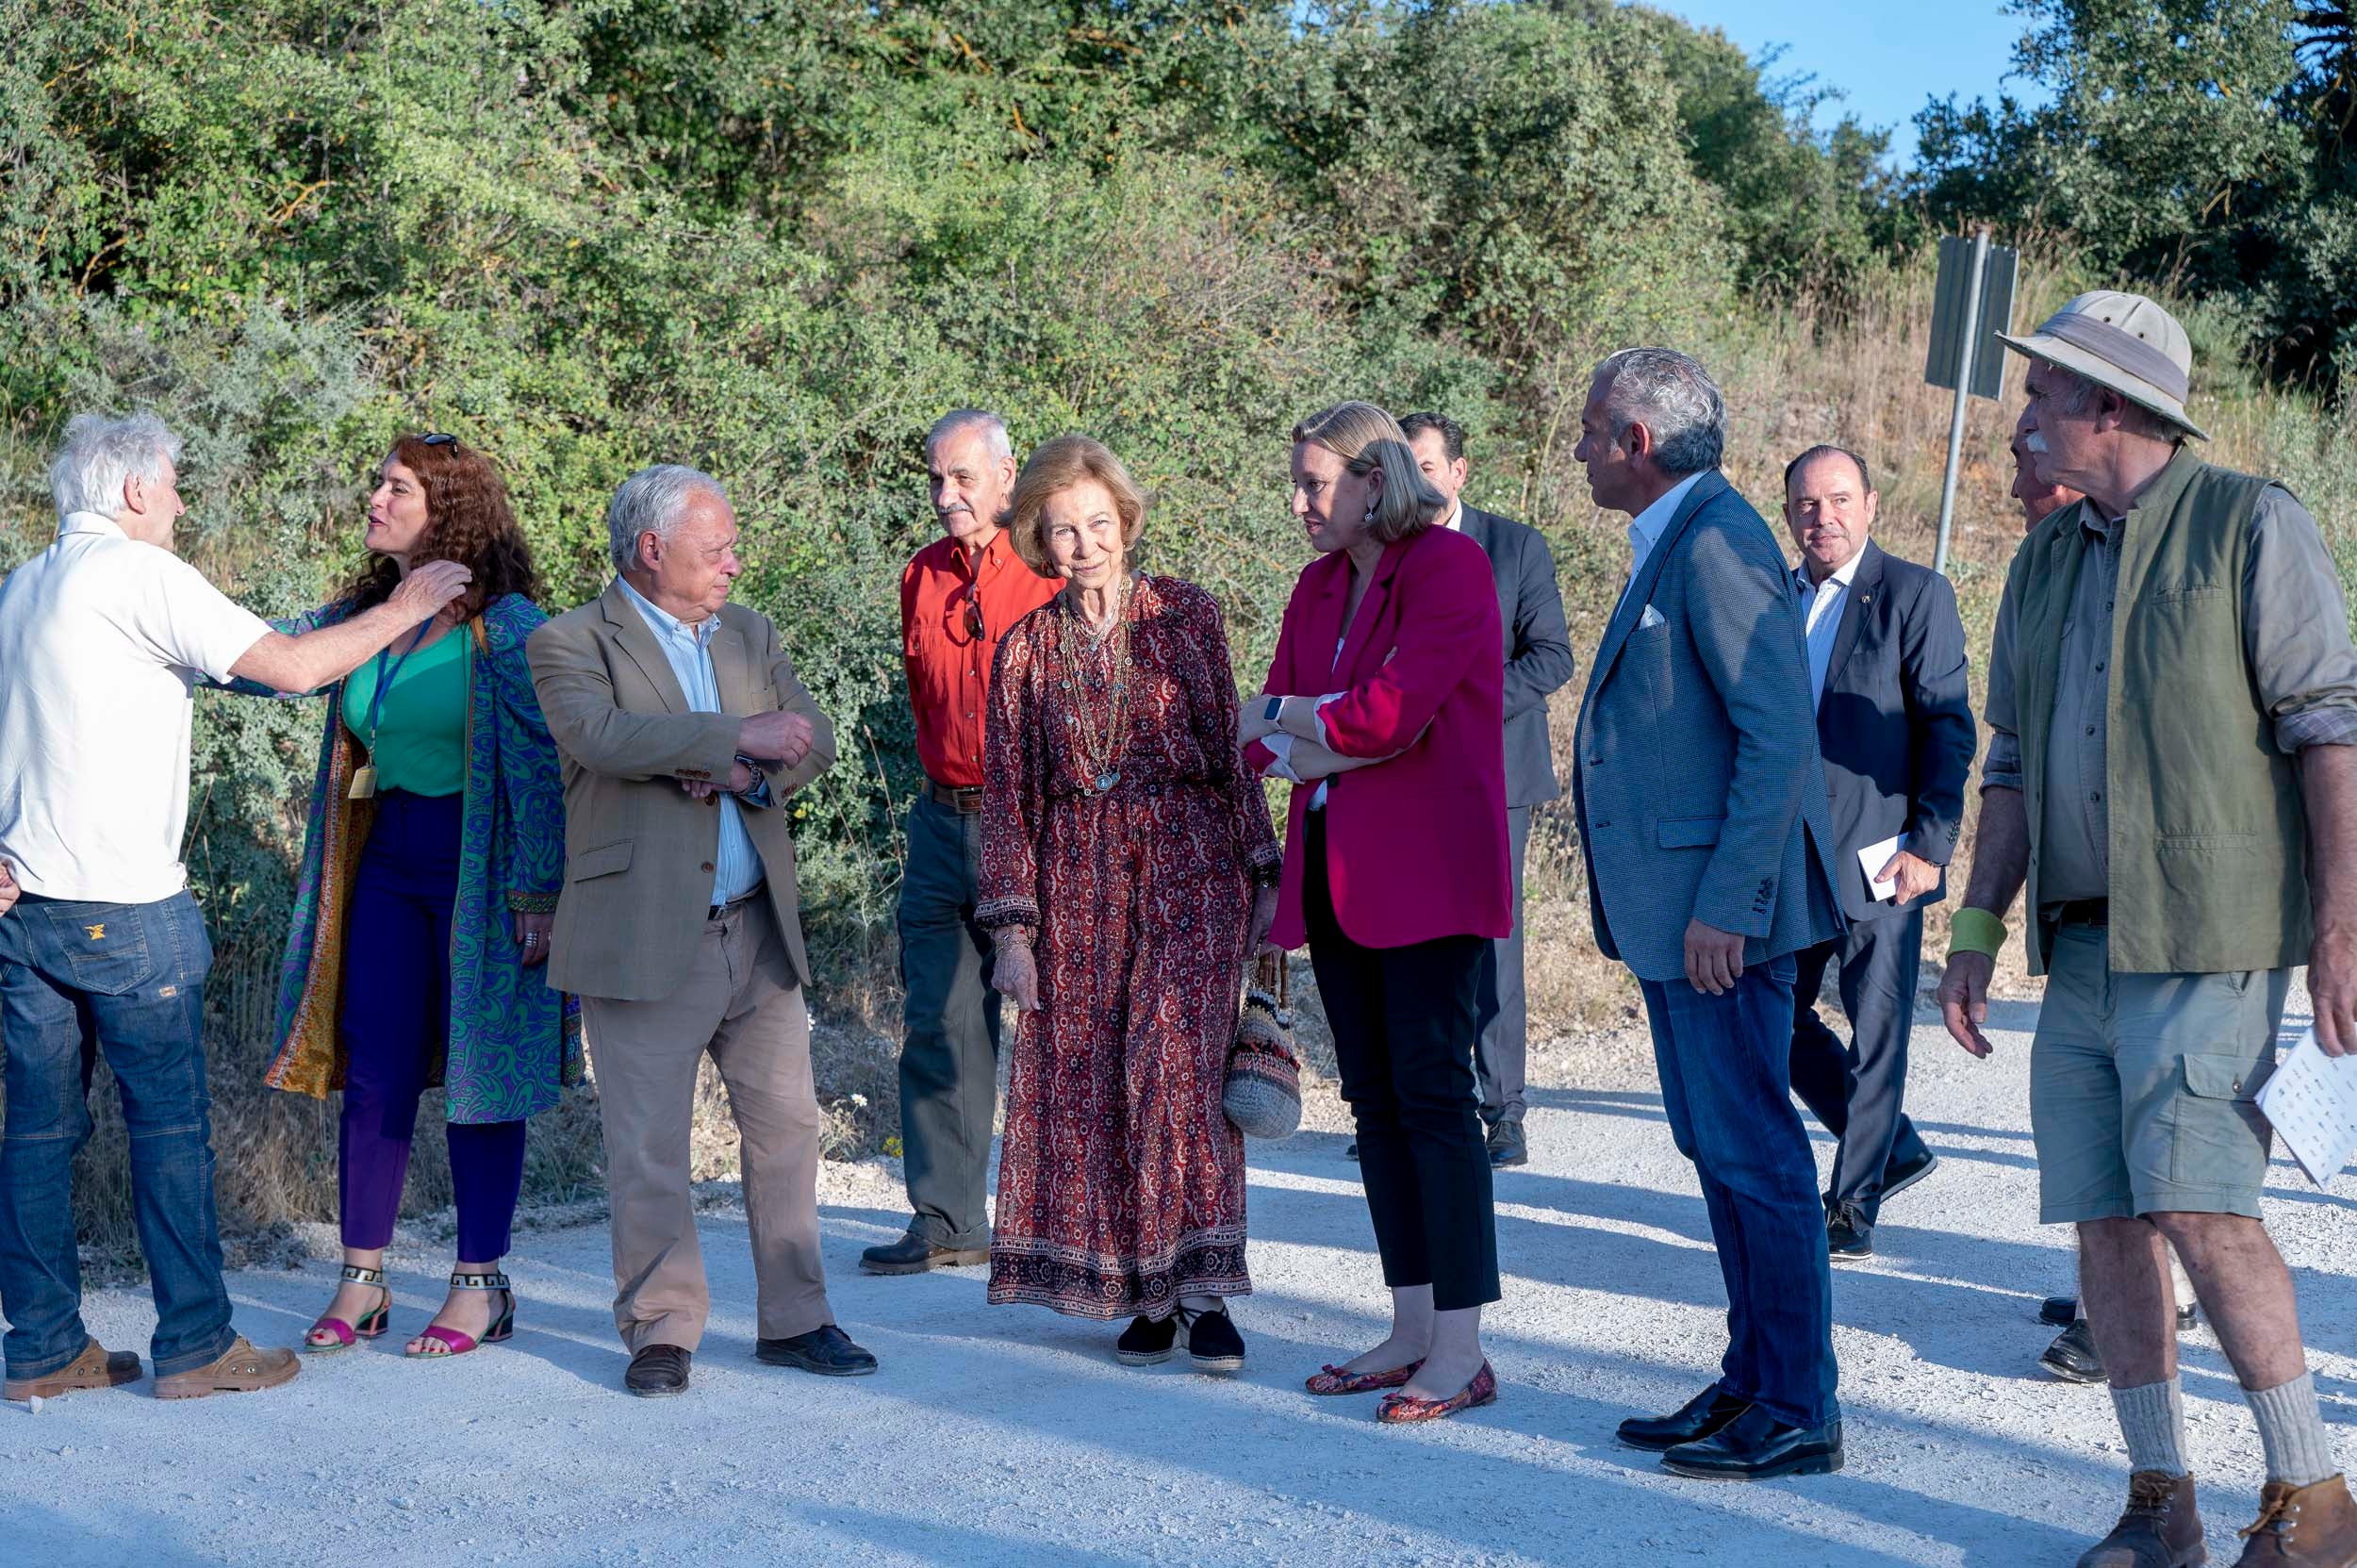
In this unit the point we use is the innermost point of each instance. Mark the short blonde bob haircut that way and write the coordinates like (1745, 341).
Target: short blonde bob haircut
(1366, 437)
(1054, 468)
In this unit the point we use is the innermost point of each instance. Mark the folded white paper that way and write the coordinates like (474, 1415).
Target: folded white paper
(1874, 857)
(2312, 1102)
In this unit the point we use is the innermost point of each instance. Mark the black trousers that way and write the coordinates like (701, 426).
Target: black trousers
(1404, 1021)
(1858, 1091)
(1504, 1044)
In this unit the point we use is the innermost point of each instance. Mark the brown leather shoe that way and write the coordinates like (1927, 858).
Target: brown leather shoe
(2302, 1527)
(657, 1371)
(95, 1367)
(2158, 1529)
(240, 1369)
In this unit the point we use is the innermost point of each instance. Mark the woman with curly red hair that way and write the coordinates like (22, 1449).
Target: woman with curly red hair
(431, 869)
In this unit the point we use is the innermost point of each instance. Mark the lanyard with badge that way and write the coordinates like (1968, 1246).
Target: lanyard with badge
(363, 779)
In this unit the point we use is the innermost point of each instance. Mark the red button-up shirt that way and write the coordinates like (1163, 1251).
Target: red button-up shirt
(949, 665)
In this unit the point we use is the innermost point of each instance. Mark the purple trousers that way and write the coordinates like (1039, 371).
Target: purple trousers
(396, 1018)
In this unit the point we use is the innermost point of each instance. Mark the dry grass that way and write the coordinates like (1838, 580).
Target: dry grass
(1792, 377)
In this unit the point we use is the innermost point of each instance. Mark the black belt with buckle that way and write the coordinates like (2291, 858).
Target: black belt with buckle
(965, 803)
(716, 911)
(2084, 912)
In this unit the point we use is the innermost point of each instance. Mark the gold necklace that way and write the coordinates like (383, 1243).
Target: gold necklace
(1098, 751)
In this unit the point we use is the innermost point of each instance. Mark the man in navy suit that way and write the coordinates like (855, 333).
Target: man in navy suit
(1705, 822)
(1894, 722)
(1537, 652)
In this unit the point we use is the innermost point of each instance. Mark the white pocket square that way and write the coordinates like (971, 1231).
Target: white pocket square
(1651, 618)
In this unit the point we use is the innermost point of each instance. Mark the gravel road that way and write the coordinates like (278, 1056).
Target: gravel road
(1004, 1435)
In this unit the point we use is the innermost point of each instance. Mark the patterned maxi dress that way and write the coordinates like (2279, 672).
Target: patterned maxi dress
(1120, 1181)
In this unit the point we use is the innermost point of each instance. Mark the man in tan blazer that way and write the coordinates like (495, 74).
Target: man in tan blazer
(684, 730)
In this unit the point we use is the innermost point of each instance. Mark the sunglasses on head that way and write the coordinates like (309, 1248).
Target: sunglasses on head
(437, 440)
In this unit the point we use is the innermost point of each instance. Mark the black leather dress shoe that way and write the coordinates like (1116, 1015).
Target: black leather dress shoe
(913, 1254)
(1506, 1146)
(1755, 1446)
(1899, 1175)
(826, 1350)
(1848, 1236)
(1700, 1416)
(1350, 1151)
(2073, 1357)
(658, 1370)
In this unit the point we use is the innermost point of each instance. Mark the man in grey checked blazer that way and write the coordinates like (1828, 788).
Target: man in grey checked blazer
(1703, 816)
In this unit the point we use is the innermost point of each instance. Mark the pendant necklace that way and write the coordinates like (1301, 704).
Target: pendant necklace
(1097, 750)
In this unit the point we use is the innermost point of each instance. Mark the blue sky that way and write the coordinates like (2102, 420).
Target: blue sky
(1890, 56)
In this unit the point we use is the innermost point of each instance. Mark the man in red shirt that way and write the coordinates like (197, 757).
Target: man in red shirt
(958, 596)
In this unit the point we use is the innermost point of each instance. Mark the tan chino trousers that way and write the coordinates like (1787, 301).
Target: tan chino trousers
(740, 1003)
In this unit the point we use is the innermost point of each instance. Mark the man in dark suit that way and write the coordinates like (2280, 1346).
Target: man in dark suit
(1538, 651)
(1886, 655)
(1702, 814)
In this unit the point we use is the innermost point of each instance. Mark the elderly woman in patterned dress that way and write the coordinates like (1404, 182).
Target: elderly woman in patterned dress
(430, 872)
(1128, 867)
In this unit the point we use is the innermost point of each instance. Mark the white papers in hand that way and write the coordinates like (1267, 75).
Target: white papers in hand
(1874, 857)
(2312, 1102)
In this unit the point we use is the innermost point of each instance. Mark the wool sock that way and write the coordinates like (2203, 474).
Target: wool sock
(2153, 1419)
(2291, 1429)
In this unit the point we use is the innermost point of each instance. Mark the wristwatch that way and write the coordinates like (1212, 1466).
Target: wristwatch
(754, 768)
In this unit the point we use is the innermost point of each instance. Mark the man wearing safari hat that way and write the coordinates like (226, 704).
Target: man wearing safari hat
(2173, 771)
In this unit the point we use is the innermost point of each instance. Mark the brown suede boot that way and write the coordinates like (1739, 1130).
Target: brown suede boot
(2158, 1529)
(240, 1369)
(2302, 1527)
(95, 1367)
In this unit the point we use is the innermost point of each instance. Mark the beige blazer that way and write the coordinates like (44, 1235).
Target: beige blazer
(638, 851)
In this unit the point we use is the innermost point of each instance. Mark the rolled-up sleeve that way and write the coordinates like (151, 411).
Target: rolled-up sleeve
(2000, 769)
(2296, 628)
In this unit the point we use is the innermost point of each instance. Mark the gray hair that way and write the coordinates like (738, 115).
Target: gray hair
(993, 431)
(2073, 394)
(653, 500)
(100, 452)
(1673, 397)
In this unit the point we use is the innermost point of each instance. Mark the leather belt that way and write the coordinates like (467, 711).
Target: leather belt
(965, 803)
(719, 911)
(2084, 912)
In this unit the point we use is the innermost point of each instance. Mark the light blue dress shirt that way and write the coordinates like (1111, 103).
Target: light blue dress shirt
(1820, 613)
(737, 864)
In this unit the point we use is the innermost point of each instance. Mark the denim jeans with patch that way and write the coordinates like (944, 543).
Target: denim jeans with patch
(128, 980)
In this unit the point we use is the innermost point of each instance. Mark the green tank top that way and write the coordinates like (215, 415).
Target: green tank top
(420, 741)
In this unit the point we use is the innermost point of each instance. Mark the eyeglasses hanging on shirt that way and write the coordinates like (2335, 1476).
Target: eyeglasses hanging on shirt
(364, 778)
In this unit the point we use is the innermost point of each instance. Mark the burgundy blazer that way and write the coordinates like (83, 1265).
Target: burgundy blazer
(1415, 847)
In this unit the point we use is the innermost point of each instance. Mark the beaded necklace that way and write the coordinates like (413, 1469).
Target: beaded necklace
(1098, 749)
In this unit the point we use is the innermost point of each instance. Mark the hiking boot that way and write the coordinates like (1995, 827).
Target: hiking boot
(2302, 1527)
(240, 1369)
(2158, 1529)
(95, 1367)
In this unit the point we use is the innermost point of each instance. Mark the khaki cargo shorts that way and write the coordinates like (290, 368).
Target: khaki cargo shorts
(2142, 1087)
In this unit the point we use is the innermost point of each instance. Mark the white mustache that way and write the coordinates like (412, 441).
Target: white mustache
(2034, 443)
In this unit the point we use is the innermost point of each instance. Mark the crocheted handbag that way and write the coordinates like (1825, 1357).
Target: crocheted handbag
(1263, 1095)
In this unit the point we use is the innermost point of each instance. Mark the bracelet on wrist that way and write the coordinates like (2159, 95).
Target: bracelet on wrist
(1975, 930)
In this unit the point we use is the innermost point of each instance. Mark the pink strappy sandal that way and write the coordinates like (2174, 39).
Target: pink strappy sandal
(456, 1344)
(331, 1334)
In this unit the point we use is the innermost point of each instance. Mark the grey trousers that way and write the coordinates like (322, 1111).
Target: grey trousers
(1504, 1045)
(949, 1029)
(1858, 1091)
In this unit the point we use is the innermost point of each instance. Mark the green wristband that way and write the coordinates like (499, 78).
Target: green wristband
(1975, 930)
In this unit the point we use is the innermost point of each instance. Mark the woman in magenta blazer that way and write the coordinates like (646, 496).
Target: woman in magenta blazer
(1384, 706)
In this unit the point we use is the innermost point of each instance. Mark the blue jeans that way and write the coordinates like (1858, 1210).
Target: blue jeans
(1725, 1064)
(128, 980)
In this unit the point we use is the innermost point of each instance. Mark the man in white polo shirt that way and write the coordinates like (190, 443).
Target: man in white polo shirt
(103, 638)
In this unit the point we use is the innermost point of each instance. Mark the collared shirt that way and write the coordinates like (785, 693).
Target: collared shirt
(1820, 614)
(1645, 528)
(102, 639)
(2294, 640)
(949, 667)
(737, 864)
(1455, 521)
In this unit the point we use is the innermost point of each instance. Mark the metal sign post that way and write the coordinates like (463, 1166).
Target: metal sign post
(1973, 301)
